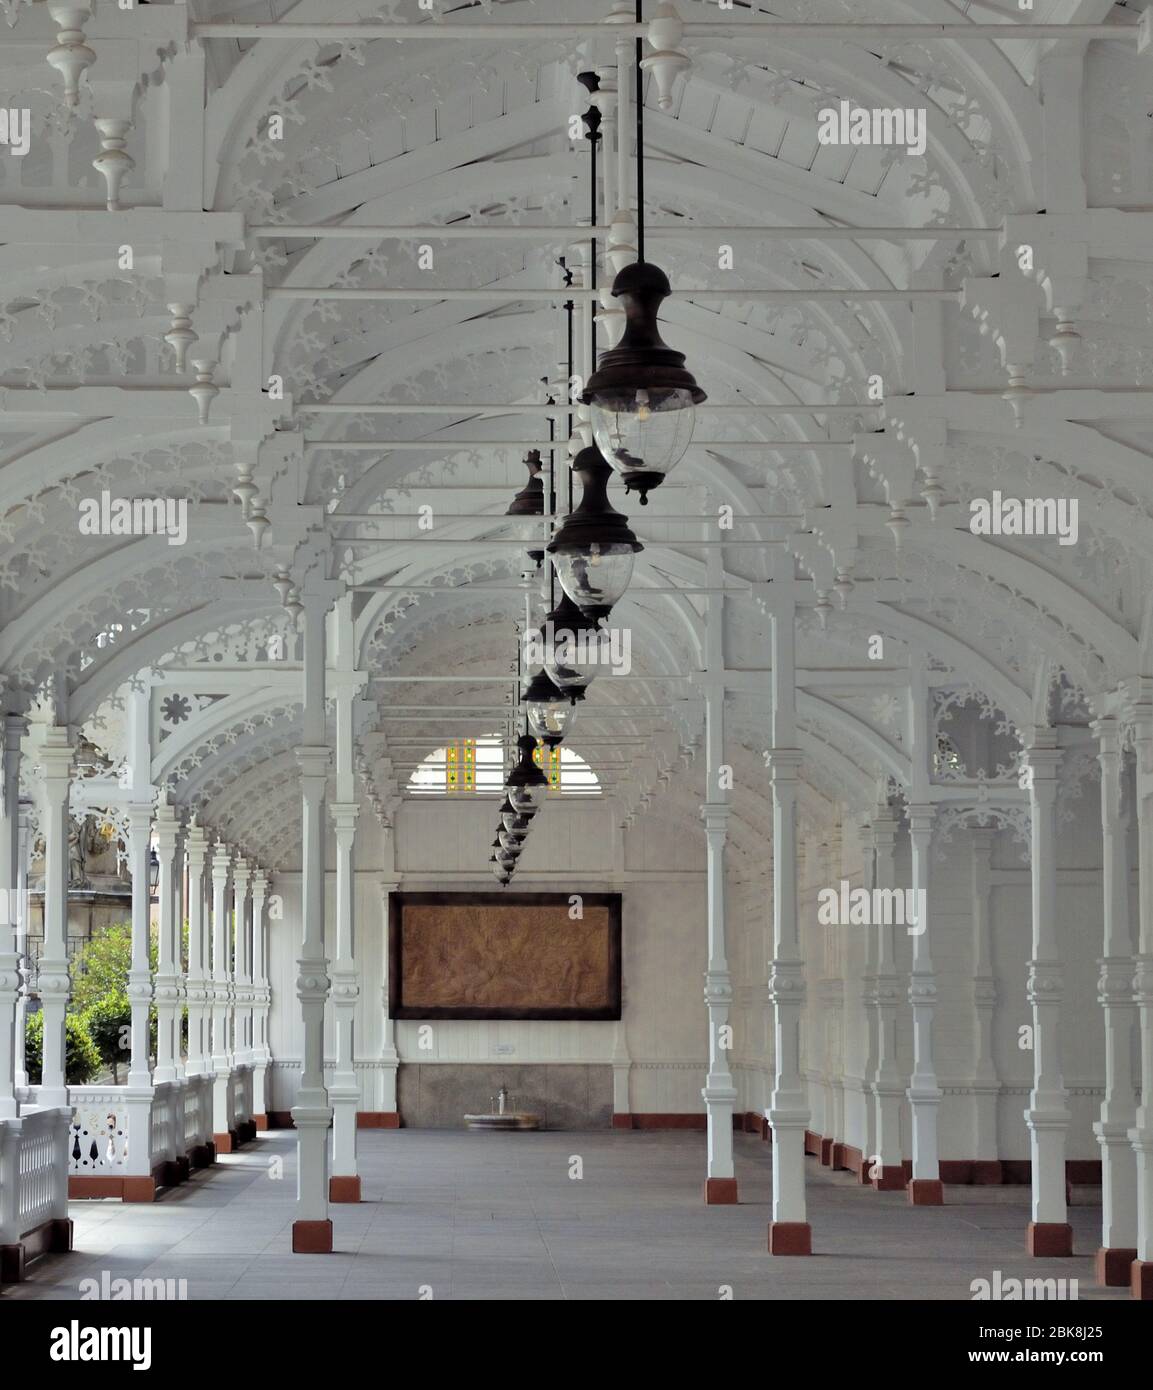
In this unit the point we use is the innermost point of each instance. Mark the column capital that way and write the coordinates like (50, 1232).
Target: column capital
(241, 873)
(167, 828)
(221, 862)
(139, 815)
(314, 760)
(260, 884)
(344, 814)
(784, 763)
(196, 839)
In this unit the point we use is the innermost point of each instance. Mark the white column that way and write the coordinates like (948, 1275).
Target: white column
(52, 977)
(719, 1093)
(242, 977)
(14, 730)
(925, 1187)
(886, 1165)
(1141, 1135)
(1115, 995)
(23, 846)
(222, 1133)
(1047, 1116)
(166, 989)
(312, 1114)
(388, 1053)
(788, 1114)
(986, 1082)
(140, 970)
(198, 980)
(261, 999)
(868, 998)
(344, 1093)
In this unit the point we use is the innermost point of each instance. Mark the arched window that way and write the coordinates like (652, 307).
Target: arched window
(477, 767)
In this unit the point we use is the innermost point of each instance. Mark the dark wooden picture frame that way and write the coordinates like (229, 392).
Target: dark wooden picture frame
(399, 1009)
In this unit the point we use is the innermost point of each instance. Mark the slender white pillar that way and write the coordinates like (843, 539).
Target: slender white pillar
(886, 1166)
(52, 976)
(223, 1134)
(15, 727)
(925, 1187)
(788, 1114)
(986, 1082)
(719, 1093)
(312, 1114)
(139, 816)
(198, 981)
(389, 1056)
(24, 845)
(242, 978)
(166, 989)
(344, 1092)
(1141, 1135)
(868, 999)
(1048, 1116)
(261, 1000)
(1118, 1250)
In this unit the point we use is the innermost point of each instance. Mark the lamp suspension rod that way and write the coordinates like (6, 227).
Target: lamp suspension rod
(511, 294)
(639, 103)
(520, 232)
(770, 32)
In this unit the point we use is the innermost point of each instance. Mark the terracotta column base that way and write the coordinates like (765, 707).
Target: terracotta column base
(138, 1190)
(890, 1179)
(926, 1192)
(224, 1143)
(826, 1153)
(721, 1192)
(261, 1122)
(312, 1237)
(344, 1189)
(1141, 1282)
(1048, 1239)
(790, 1238)
(1114, 1266)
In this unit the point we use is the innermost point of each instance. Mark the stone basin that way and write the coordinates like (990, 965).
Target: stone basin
(509, 1120)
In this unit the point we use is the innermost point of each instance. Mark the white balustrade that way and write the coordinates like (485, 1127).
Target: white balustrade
(33, 1174)
(99, 1134)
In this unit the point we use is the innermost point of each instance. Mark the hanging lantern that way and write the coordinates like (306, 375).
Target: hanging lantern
(550, 711)
(568, 641)
(595, 549)
(527, 784)
(642, 397)
(501, 874)
(511, 819)
(529, 502)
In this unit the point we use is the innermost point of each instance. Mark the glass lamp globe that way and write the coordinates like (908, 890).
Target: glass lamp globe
(642, 397)
(511, 819)
(512, 839)
(595, 549)
(550, 711)
(572, 649)
(643, 433)
(527, 784)
(501, 874)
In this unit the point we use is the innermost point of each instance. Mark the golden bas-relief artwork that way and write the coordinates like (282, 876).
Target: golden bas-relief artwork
(516, 957)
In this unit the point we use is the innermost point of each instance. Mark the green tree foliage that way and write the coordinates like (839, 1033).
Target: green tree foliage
(100, 991)
(81, 1057)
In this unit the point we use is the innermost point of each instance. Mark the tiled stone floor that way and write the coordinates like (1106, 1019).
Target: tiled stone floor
(497, 1216)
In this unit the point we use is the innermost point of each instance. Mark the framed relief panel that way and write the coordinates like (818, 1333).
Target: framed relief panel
(504, 955)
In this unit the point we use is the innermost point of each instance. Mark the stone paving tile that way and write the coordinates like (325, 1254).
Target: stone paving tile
(501, 1220)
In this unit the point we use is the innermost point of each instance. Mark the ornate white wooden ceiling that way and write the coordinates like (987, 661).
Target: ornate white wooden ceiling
(475, 132)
